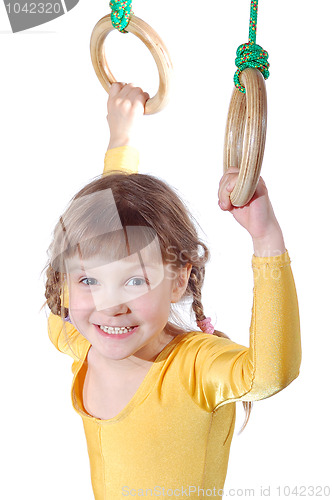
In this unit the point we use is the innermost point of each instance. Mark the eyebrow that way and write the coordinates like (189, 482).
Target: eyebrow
(131, 268)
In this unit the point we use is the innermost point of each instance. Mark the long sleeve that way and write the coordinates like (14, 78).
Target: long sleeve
(63, 335)
(125, 158)
(216, 371)
(275, 341)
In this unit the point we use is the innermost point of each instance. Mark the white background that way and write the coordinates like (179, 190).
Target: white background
(54, 136)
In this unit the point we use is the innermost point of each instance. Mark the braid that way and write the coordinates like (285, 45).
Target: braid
(53, 292)
(195, 285)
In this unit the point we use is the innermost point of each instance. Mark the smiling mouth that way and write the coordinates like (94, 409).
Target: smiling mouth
(116, 330)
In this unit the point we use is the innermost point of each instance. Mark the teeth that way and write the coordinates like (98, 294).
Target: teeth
(116, 330)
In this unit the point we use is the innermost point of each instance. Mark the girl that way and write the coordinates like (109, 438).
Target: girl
(157, 400)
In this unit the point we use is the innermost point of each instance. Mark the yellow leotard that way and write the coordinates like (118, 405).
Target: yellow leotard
(176, 431)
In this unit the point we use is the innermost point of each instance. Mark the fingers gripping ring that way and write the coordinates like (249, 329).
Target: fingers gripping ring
(154, 43)
(245, 135)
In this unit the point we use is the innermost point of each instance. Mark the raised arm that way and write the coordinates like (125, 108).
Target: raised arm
(274, 356)
(216, 370)
(125, 111)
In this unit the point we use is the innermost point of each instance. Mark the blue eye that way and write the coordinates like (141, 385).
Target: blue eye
(136, 282)
(89, 281)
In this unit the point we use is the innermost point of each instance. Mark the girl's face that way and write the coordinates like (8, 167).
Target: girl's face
(122, 307)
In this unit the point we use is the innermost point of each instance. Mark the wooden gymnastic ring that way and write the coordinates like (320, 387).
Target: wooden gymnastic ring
(245, 135)
(154, 43)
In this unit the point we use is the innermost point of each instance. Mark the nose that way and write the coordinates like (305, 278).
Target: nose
(110, 298)
(115, 310)
(113, 303)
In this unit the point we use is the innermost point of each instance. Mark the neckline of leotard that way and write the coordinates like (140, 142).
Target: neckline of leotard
(77, 399)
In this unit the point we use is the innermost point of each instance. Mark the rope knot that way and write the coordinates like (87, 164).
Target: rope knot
(250, 55)
(120, 16)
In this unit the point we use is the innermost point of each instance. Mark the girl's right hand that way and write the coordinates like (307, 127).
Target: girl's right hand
(125, 107)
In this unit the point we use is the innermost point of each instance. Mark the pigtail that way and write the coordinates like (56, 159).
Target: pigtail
(196, 281)
(195, 284)
(53, 292)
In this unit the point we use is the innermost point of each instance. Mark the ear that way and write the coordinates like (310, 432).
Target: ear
(180, 282)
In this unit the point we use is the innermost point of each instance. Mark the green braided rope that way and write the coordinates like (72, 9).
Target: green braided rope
(253, 21)
(251, 55)
(121, 11)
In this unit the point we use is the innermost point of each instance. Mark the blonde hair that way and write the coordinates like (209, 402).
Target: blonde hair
(99, 218)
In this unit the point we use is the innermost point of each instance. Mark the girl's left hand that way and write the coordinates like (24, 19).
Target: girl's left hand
(257, 217)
